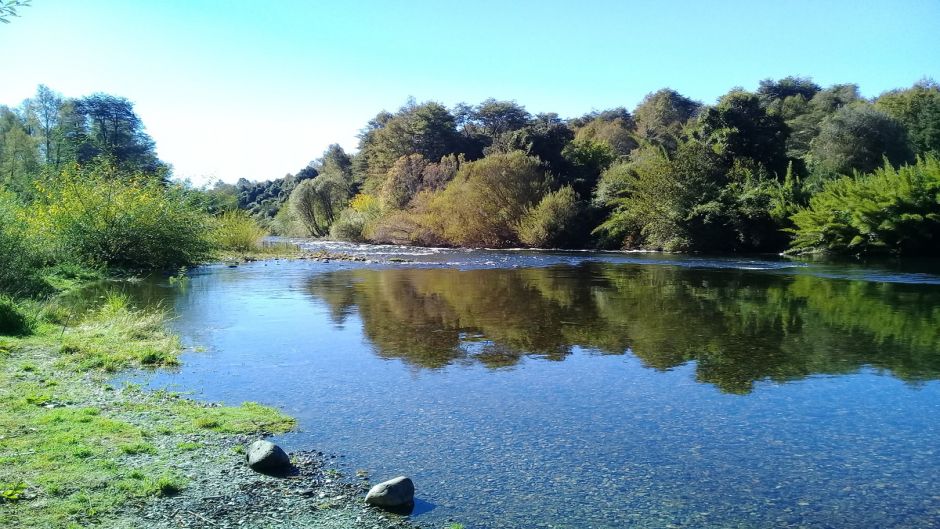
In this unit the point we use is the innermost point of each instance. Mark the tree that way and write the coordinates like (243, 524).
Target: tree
(403, 181)
(497, 117)
(739, 127)
(485, 202)
(427, 129)
(19, 159)
(552, 221)
(614, 127)
(318, 201)
(918, 109)
(8, 9)
(772, 92)
(587, 159)
(661, 116)
(113, 130)
(48, 108)
(857, 138)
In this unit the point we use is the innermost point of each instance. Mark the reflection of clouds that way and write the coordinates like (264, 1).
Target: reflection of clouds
(739, 327)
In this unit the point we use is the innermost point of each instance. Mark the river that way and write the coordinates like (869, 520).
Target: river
(580, 389)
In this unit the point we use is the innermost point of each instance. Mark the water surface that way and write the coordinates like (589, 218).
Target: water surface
(575, 389)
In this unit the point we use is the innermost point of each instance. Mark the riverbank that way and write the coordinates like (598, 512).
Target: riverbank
(76, 451)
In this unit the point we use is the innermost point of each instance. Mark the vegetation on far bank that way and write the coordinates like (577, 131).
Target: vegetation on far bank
(671, 174)
(75, 451)
(675, 174)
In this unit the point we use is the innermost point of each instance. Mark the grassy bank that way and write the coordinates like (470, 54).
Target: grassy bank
(75, 452)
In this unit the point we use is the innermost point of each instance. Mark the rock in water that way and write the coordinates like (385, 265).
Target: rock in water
(265, 456)
(396, 492)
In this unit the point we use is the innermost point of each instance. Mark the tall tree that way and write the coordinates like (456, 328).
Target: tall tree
(19, 160)
(918, 109)
(48, 108)
(114, 130)
(428, 129)
(661, 116)
(857, 138)
(739, 127)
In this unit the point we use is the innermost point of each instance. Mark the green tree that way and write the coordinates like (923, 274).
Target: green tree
(403, 181)
(614, 127)
(856, 138)
(739, 127)
(587, 159)
(661, 116)
(19, 154)
(428, 129)
(772, 93)
(318, 202)
(114, 131)
(918, 109)
(485, 202)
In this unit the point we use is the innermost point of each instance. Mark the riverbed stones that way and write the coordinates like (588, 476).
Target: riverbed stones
(265, 456)
(397, 492)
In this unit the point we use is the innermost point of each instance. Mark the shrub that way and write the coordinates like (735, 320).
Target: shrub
(237, 231)
(349, 226)
(14, 319)
(548, 223)
(889, 211)
(484, 203)
(18, 258)
(101, 216)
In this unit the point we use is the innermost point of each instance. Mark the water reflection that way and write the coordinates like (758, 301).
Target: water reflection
(738, 327)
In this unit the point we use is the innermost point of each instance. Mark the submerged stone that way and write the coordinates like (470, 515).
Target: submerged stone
(396, 492)
(265, 456)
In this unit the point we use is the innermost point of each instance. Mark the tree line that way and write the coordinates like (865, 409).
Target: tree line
(672, 174)
(791, 165)
(83, 194)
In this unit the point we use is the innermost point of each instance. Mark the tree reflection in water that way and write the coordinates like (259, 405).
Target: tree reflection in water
(738, 326)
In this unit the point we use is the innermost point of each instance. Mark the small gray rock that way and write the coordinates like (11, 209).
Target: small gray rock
(395, 492)
(265, 456)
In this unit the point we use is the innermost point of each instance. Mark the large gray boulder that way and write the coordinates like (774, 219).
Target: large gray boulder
(265, 456)
(397, 492)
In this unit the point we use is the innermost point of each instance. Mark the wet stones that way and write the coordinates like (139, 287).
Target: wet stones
(394, 493)
(267, 457)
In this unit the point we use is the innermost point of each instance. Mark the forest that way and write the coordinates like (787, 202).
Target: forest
(791, 167)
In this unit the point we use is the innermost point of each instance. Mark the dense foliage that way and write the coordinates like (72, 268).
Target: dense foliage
(673, 174)
(81, 188)
(889, 211)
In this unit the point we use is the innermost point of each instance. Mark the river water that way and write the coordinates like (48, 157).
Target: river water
(589, 390)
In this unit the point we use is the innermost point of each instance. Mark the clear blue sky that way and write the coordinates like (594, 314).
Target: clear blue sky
(257, 88)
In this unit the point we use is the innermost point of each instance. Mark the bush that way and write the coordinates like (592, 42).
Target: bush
(101, 216)
(349, 226)
(483, 205)
(893, 211)
(14, 319)
(18, 259)
(237, 231)
(551, 221)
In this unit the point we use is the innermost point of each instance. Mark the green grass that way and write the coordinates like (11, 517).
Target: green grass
(75, 452)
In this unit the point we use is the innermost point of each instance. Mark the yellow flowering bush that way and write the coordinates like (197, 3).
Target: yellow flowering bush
(101, 216)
